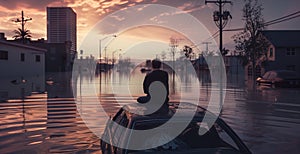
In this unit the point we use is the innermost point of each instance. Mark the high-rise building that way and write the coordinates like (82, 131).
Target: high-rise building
(61, 26)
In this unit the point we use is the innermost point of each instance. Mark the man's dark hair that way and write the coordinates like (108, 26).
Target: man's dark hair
(156, 63)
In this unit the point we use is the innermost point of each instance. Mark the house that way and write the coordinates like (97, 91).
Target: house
(59, 56)
(22, 69)
(284, 50)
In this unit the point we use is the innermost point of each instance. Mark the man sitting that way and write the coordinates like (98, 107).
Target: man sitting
(156, 75)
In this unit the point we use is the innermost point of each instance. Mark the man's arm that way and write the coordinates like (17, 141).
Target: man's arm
(167, 83)
(146, 84)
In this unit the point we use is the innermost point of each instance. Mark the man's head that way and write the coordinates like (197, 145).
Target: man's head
(156, 64)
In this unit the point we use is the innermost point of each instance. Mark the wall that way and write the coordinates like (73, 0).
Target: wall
(20, 78)
(282, 60)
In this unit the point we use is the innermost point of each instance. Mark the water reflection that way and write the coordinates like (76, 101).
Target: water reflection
(266, 119)
(18, 87)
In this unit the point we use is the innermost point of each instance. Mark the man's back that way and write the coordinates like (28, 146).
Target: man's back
(156, 75)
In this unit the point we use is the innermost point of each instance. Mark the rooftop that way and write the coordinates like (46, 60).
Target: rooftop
(20, 45)
(283, 38)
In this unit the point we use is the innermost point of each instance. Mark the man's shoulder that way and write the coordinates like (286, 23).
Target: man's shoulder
(164, 72)
(159, 71)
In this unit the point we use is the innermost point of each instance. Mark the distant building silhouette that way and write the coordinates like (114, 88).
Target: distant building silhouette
(61, 31)
(61, 26)
(59, 57)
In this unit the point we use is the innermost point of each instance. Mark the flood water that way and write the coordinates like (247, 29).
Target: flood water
(266, 119)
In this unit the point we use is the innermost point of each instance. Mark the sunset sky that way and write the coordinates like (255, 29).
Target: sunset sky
(90, 12)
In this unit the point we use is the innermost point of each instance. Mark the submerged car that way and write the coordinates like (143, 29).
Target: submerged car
(219, 139)
(280, 78)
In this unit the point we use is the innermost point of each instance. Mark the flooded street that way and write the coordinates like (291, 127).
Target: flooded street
(266, 119)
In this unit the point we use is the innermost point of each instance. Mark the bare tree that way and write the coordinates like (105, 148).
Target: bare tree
(250, 43)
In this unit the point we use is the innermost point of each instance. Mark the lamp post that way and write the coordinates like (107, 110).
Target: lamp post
(163, 57)
(221, 19)
(100, 41)
(113, 56)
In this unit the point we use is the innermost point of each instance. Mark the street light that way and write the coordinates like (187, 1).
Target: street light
(113, 56)
(99, 68)
(100, 41)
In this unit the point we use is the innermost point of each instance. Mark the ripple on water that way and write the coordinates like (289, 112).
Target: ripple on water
(266, 120)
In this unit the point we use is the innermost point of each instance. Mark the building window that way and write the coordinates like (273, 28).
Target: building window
(37, 58)
(290, 52)
(271, 52)
(22, 56)
(3, 55)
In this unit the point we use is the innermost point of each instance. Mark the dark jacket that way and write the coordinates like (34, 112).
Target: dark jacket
(156, 75)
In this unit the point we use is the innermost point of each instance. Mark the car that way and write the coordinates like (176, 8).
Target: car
(279, 78)
(220, 138)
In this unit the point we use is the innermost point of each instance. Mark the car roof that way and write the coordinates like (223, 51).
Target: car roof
(186, 107)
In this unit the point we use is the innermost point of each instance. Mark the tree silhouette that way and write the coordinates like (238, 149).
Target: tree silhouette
(188, 51)
(250, 43)
(22, 34)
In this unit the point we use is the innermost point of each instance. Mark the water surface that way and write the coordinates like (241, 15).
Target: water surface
(266, 119)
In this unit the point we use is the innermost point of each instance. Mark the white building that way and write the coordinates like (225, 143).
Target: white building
(22, 70)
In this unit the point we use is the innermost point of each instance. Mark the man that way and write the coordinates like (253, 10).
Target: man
(156, 75)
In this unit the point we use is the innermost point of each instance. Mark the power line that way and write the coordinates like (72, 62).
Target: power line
(282, 17)
(267, 24)
(235, 29)
(213, 36)
(272, 22)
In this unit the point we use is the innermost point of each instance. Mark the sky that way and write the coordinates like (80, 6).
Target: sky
(126, 17)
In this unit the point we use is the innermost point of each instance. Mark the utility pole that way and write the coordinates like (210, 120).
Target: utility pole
(221, 18)
(23, 22)
(173, 45)
(206, 43)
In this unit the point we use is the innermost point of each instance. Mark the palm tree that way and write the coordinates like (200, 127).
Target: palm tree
(22, 34)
